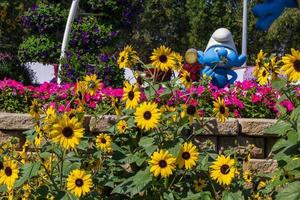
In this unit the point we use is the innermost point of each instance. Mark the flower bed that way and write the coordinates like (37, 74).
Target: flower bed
(156, 146)
(245, 99)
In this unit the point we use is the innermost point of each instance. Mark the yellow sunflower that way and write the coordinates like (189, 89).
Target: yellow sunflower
(261, 184)
(128, 57)
(263, 76)
(116, 105)
(39, 136)
(178, 59)
(123, 59)
(67, 132)
(81, 90)
(274, 68)
(162, 163)
(220, 110)
(259, 62)
(188, 156)
(103, 142)
(131, 95)
(50, 115)
(79, 182)
(9, 173)
(291, 65)
(199, 184)
(190, 111)
(92, 84)
(247, 176)
(147, 116)
(35, 109)
(122, 126)
(162, 58)
(186, 79)
(223, 170)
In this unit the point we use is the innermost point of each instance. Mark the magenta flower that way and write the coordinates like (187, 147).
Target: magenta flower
(288, 105)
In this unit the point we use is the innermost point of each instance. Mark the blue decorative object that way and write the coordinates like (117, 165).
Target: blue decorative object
(270, 10)
(219, 57)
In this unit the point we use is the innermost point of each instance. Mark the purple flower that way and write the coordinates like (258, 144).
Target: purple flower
(104, 58)
(34, 7)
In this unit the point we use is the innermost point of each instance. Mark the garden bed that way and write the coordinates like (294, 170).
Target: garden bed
(233, 133)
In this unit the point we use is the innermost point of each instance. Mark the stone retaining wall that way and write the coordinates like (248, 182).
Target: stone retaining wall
(232, 133)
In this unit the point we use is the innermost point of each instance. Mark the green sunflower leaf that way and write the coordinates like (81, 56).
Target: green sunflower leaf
(28, 171)
(291, 192)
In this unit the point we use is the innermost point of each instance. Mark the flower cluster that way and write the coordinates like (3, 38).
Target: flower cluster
(268, 69)
(44, 18)
(151, 149)
(19, 98)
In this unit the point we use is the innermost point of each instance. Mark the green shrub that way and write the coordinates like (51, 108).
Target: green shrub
(39, 49)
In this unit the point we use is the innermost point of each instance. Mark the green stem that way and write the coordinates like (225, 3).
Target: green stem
(61, 169)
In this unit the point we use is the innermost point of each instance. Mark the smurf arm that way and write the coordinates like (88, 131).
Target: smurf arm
(270, 10)
(233, 75)
(208, 71)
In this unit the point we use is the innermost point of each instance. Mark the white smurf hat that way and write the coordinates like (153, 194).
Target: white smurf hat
(222, 37)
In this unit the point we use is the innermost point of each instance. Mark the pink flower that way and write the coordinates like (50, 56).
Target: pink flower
(236, 113)
(255, 98)
(297, 91)
(92, 104)
(288, 105)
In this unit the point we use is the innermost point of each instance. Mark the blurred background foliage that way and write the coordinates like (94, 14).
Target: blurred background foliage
(107, 25)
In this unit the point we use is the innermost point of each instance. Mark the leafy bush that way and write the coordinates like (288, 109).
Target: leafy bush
(39, 49)
(89, 35)
(11, 68)
(76, 65)
(45, 18)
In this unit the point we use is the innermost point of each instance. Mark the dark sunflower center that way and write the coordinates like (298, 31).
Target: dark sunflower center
(186, 155)
(248, 177)
(286, 176)
(122, 59)
(191, 110)
(80, 96)
(222, 109)
(36, 109)
(162, 163)
(1, 165)
(199, 183)
(131, 95)
(103, 140)
(264, 73)
(225, 169)
(8, 171)
(116, 105)
(187, 78)
(297, 65)
(79, 182)
(92, 84)
(147, 115)
(123, 127)
(67, 132)
(163, 58)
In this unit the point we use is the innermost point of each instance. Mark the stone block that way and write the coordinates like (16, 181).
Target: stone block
(261, 165)
(15, 121)
(213, 127)
(255, 127)
(101, 124)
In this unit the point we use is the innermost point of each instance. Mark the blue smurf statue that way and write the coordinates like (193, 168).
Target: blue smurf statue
(268, 11)
(219, 57)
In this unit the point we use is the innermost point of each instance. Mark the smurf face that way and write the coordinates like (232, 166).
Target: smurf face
(220, 56)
